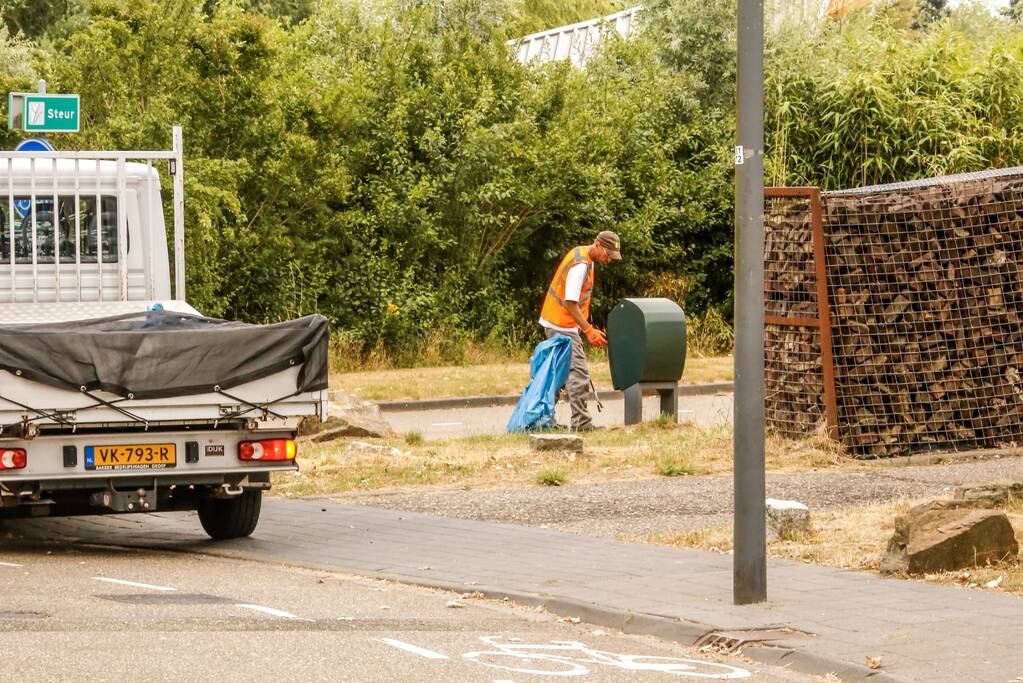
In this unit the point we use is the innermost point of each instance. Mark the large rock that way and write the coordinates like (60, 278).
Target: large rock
(942, 536)
(989, 495)
(337, 427)
(347, 416)
(556, 442)
(786, 519)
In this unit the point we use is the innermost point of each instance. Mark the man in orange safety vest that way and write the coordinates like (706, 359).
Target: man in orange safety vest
(566, 310)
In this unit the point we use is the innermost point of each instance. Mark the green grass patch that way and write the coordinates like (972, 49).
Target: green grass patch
(414, 438)
(676, 466)
(551, 477)
(506, 460)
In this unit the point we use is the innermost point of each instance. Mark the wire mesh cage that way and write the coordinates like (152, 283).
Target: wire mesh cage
(924, 285)
(794, 379)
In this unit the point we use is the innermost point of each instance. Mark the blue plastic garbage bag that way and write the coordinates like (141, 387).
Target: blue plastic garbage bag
(548, 371)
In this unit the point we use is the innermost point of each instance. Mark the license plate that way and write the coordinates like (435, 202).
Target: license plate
(154, 456)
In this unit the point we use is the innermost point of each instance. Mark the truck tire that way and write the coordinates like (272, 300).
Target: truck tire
(225, 518)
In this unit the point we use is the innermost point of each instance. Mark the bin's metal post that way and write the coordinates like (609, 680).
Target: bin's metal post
(633, 399)
(179, 214)
(669, 402)
(749, 564)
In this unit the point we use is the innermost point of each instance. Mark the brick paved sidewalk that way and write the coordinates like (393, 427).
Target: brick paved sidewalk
(923, 632)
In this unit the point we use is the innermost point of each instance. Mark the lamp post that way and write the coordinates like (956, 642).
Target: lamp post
(749, 568)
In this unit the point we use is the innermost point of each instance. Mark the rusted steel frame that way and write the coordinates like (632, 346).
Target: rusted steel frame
(791, 191)
(824, 312)
(782, 321)
(823, 321)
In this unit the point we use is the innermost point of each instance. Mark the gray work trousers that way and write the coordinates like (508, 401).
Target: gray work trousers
(578, 384)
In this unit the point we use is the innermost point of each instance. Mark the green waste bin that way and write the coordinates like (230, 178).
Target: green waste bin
(646, 342)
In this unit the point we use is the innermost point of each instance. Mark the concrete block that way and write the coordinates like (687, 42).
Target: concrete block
(556, 442)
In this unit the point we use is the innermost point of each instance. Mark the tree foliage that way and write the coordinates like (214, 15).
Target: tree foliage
(882, 104)
(389, 165)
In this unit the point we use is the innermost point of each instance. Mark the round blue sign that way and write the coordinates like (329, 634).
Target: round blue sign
(35, 145)
(23, 206)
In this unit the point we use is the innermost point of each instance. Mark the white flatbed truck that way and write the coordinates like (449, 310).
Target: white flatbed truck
(83, 237)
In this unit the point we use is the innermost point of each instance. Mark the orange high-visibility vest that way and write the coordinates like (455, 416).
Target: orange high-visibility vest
(554, 310)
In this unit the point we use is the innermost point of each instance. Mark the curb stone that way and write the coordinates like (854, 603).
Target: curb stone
(816, 665)
(512, 399)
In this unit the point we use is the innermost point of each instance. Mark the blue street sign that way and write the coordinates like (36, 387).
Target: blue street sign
(23, 206)
(35, 145)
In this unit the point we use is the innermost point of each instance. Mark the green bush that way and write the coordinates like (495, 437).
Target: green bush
(391, 166)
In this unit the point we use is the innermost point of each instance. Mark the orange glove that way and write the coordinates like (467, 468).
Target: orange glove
(596, 337)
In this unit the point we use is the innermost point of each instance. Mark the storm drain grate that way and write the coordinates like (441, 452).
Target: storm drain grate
(731, 642)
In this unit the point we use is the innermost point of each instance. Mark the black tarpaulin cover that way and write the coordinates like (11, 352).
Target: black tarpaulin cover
(157, 354)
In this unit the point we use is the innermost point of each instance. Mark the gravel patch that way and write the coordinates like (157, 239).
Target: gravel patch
(670, 505)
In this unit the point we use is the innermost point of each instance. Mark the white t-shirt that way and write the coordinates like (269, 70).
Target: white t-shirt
(573, 292)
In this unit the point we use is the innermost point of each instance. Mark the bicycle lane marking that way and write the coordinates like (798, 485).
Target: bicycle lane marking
(575, 655)
(414, 649)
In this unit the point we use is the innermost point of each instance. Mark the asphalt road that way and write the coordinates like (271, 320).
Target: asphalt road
(76, 612)
(706, 411)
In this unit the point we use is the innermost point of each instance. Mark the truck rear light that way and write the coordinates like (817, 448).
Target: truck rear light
(13, 459)
(267, 449)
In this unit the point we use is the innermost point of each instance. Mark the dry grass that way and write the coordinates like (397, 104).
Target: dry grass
(489, 379)
(506, 460)
(856, 538)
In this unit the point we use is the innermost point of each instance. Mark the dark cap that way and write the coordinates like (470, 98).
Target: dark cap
(612, 243)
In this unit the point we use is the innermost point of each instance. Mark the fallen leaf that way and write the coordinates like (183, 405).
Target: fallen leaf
(874, 662)
(569, 620)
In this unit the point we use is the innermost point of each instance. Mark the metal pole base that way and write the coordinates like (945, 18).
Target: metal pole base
(667, 391)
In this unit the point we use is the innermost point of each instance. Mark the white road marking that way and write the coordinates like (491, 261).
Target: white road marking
(414, 649)
(446, 424)
(10, 564)
(122, 582)
(272, 612)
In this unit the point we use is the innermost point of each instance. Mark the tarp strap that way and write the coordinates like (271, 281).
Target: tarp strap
(58, 417)
(109, 404)
(262, 407)
(40, 415)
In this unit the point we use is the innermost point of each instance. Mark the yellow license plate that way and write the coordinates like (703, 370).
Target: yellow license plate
(148, 457)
